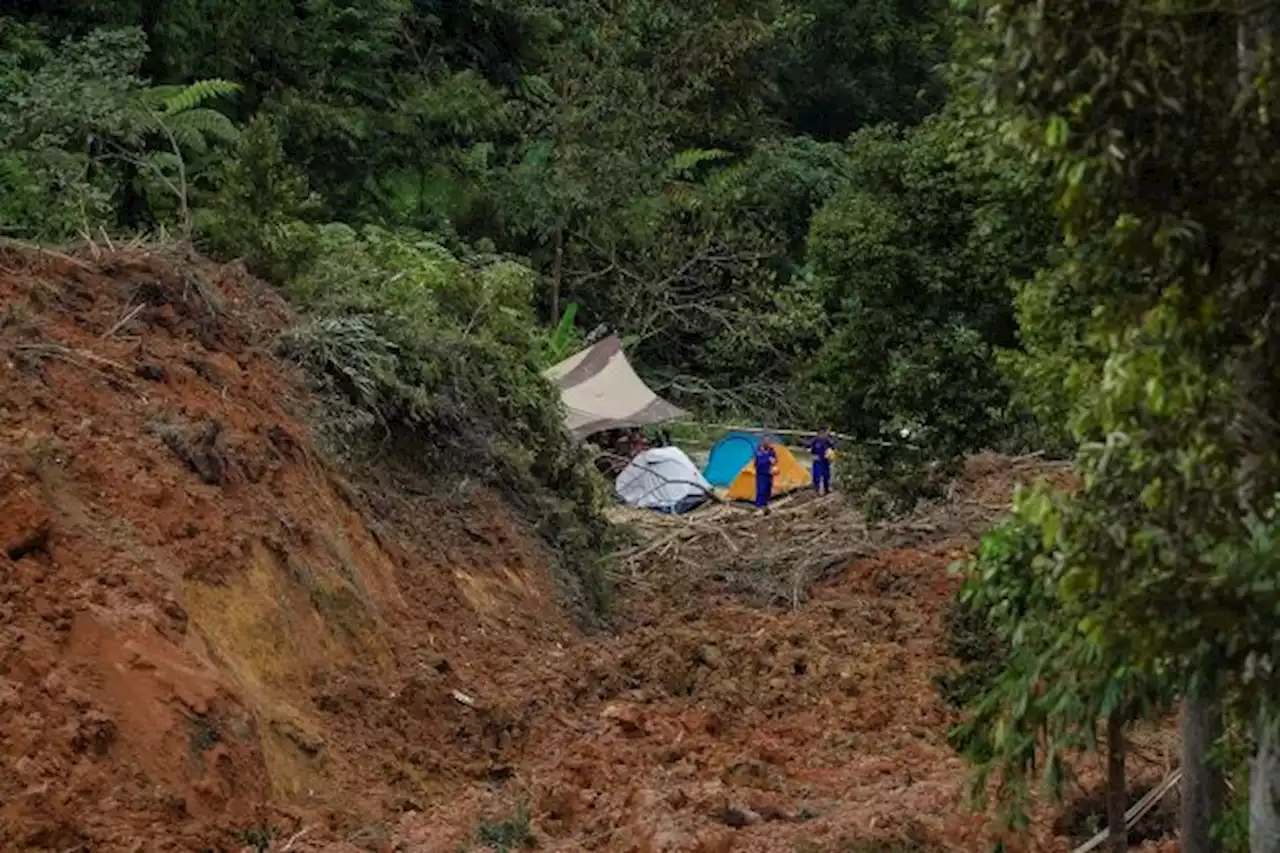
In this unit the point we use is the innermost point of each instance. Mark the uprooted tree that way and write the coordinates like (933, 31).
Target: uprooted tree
(1156, 121)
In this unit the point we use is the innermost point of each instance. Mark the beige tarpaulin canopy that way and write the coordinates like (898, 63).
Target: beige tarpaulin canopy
(601, 391)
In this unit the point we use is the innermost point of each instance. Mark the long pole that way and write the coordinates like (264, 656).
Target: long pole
(797, 433)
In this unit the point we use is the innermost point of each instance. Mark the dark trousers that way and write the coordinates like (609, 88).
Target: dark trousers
(764, 488)
(822, 475)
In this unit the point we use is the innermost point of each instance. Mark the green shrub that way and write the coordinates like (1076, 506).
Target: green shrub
(513, 832)
(977, 650)
(261, 206)
(434, 359)
(886, 479)
(973, 639)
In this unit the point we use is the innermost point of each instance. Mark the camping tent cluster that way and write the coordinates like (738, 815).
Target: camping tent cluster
(667, 480)
(602, 392)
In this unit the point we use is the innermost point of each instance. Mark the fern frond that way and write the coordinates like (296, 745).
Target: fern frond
(684, 195)
(685, 161)
(193, 95)
(535, 88)
(164, 162)
(189, 139)
(730, 178)
(156, 96)
(349, 124)
(207, 123)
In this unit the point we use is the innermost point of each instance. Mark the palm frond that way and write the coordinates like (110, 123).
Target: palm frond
(562, 336)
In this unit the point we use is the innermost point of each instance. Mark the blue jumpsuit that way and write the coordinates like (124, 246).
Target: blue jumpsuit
(765, 460)
(821, 448)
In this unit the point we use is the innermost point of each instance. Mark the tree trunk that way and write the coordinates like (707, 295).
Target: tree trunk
(1264, 786)
(1246, 53)
(1201, 782)
(557, 272)
(132, 214)
(1253, 30)
(422, 188)
(1118, 836)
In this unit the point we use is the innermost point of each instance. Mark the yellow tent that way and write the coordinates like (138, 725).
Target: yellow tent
(791, 476)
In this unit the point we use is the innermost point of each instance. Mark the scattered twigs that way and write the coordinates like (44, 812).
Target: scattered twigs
(124, 321)
(775, 558)
(75, 356)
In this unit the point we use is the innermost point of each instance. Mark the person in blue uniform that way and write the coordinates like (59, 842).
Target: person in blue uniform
(823, 448)
(766, 462)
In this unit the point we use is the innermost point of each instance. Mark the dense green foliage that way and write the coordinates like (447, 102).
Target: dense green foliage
(82, 136)
(1155, 330)
(916, 257)
(1039, 701)
(658, 164)
(435, 358)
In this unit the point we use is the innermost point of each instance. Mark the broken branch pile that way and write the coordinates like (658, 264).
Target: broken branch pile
(774, 559)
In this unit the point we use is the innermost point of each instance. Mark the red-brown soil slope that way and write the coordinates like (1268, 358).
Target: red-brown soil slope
(210, 640)
(202, 639)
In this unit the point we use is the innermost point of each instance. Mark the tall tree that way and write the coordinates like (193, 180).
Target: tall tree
(1157, 123)
(916, 256)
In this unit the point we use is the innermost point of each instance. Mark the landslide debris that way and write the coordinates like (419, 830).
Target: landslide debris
(206, 634)
(213, 639)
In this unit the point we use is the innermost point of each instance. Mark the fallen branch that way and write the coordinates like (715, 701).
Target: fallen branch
(70, 355)
(650, 548)
(1136, 812)
(123, 322)
(9, 243)
(295, 838)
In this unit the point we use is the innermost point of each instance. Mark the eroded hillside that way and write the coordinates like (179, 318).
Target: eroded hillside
(210, 638)
(203, 637)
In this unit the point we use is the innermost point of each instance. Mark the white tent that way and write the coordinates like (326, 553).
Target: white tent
(664, 479)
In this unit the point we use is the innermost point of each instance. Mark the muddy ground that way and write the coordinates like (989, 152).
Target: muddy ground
(211, 639)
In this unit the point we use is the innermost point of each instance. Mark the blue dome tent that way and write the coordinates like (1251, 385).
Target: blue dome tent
(728, 457)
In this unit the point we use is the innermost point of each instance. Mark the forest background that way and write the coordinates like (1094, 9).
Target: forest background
(981, 225)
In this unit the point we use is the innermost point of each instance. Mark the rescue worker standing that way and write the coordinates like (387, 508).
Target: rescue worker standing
(766, 464)
(823, 448)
